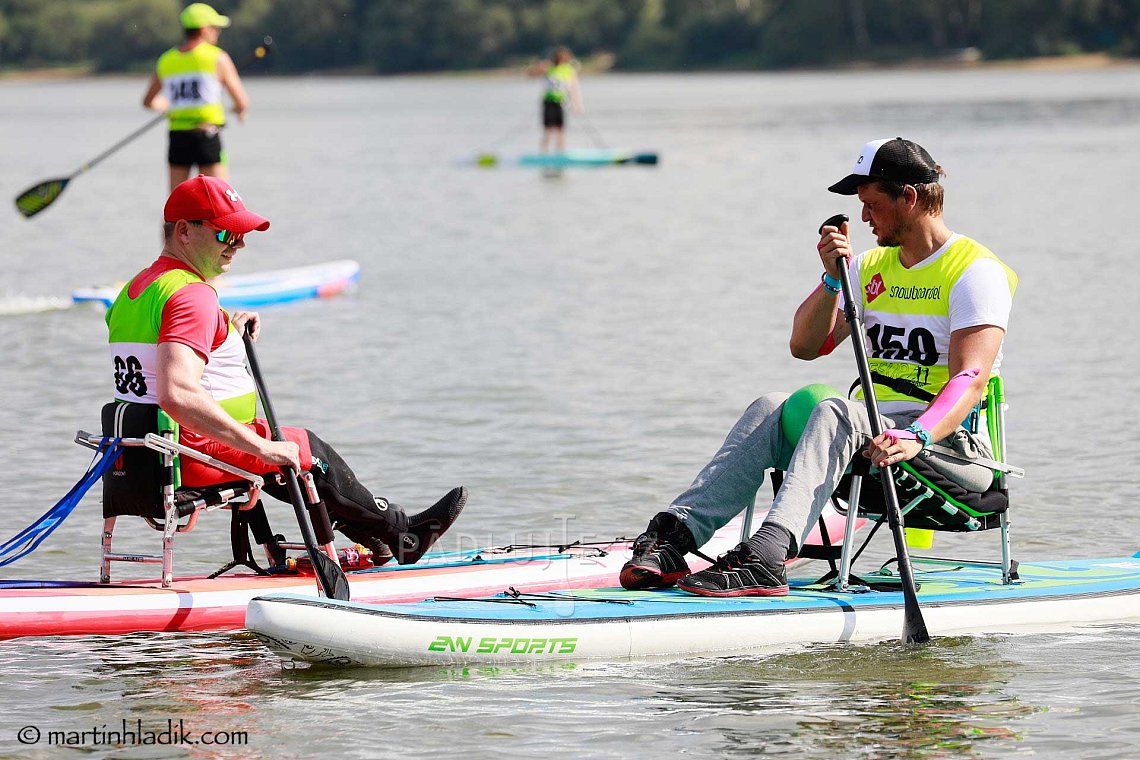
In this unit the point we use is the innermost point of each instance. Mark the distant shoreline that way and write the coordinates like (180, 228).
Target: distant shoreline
(964, 61)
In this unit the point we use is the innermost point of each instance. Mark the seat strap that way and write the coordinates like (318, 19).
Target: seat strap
(240, 545)
(117, 424)
(898, 385)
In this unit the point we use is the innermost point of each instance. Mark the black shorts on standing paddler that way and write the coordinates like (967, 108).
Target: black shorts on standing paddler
(551, 114)
(195, 147)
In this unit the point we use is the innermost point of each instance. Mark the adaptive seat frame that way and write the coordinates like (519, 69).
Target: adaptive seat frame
(228, 496)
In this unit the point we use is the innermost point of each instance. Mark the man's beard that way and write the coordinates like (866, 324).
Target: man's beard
(893, 238)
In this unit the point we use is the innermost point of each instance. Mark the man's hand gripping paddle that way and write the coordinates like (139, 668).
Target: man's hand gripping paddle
(330, 576)
(914, 627)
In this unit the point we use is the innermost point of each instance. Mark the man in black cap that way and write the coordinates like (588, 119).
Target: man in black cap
(935, 304)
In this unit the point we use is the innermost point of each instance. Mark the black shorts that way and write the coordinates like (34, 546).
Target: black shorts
(551, 114)
(195, 147)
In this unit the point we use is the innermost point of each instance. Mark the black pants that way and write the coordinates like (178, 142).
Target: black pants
(351, 506)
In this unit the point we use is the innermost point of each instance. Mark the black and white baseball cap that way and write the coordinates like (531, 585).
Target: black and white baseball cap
(890, 160)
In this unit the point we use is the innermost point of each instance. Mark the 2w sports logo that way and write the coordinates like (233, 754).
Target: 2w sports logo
(875, 288)
(129, 377)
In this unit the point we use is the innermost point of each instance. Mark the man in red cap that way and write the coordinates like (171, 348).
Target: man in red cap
(174, 346)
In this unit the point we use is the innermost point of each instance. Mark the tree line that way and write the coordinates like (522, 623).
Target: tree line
(398, 36)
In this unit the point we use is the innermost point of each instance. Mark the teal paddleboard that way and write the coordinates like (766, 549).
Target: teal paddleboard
(589, 157)
(612, 624)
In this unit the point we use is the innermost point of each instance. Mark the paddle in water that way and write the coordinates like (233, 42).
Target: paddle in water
(914, 627)
(38, 197)
(330, 576)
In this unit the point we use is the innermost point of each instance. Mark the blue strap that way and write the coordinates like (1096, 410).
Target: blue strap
(26, 541)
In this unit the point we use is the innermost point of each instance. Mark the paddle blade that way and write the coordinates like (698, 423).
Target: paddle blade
(486, 159)
(333, 581)
(914, 627)
(649, 159)
(35, 199)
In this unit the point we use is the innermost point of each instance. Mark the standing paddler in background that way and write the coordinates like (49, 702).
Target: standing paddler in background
(174, 346)
(936, 305)
(561, 83)
(187, 83)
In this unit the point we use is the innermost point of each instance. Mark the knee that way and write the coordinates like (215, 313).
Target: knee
(829, 413)
(766, 405)
(317, 445)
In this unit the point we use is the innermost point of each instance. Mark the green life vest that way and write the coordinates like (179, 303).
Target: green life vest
(558, 80)
(134, 325)
(190, 80)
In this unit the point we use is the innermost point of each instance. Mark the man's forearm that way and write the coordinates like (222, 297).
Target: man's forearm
(195, 409)
(813, 324)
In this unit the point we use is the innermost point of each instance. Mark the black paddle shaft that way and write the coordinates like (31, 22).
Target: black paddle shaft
(329, 574)
(914, 627)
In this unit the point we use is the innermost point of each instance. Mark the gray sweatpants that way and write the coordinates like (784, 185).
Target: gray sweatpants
(836, 431)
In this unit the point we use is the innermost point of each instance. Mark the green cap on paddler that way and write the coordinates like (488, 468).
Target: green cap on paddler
(200, 15)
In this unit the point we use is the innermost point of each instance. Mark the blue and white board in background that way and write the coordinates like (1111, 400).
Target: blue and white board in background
(613, 624)
(589, 157)
(244, 291)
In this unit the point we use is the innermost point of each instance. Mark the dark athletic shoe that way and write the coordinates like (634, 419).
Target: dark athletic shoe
(737, 573)
(658, 554)
(427, 526)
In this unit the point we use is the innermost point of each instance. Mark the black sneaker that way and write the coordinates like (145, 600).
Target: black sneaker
(658, 554)
(427, 526)
(737, 573)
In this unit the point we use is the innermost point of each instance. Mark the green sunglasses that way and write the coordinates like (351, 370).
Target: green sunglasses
(224, 237)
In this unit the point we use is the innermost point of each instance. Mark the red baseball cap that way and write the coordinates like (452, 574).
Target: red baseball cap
(209, 199)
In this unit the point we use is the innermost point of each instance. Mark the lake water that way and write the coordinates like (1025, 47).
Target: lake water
(573, 348)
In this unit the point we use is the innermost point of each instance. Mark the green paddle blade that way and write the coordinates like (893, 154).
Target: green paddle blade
(35, 199)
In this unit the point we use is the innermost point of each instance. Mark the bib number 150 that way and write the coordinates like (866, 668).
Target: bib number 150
(887, 342)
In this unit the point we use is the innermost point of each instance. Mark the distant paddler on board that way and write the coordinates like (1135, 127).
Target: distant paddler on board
(187, 84)
(561, 84)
